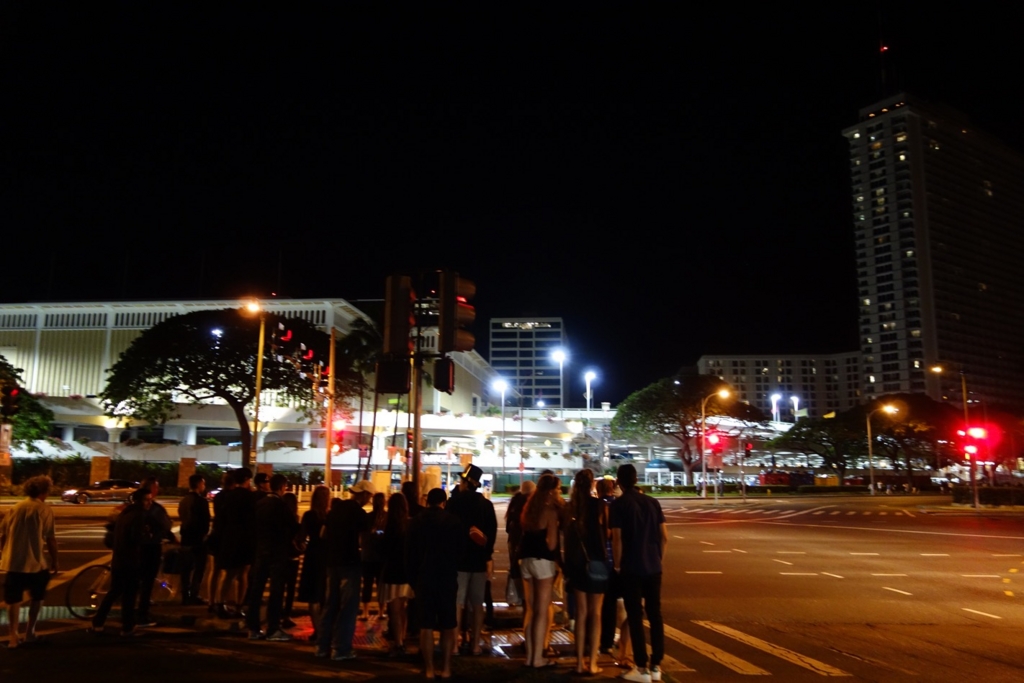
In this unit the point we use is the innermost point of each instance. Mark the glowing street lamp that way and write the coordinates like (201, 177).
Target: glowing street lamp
(891, 410)
(721, 393)
(558, 355)
(501, 386)
(796, 406)
(253, 306)
(775, 407)
(939, 369)
(589, 377)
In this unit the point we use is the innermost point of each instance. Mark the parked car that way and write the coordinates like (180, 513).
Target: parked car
(108, 489)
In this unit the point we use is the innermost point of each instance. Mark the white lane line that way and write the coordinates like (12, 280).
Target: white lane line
(832, 527)
(780, 652)
(864, 553)
(790, 552)
(696, 572)
(934, 554)
(898, 514)
(868, 512)
(835, 576)
(707, 542)
(888, 575)
(673, 665)
(882, 514)
(835, 512)
(853, 512)
(896, 590)
(820, 512)
(909, 513)
(713, 653)
(783, 562)
(1011, 555)
(679, 537)
(797, 574)
(980, 576)
(737, 550)
(984, 614)
(718, 551)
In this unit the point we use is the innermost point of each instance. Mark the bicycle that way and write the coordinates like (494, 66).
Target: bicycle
(86, 591)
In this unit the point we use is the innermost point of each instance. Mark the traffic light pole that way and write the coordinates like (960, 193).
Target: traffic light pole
(329, 432)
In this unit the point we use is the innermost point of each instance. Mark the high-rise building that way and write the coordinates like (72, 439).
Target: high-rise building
(819, 383)
(938, 212)
(521, 351)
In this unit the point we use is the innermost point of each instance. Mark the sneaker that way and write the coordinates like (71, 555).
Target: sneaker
(322, 654)
(343, 656)
(637, 675)
(255, 635)
(279, 636)
(655, 673)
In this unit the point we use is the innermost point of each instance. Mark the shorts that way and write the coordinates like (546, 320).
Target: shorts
(536, 568)
(471, 588)
(19, 582)
(435, 609)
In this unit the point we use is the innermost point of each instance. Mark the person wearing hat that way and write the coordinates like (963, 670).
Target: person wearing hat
(480, 526)
(341, 530)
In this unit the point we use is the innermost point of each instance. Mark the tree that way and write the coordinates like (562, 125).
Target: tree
(915, 435)
(208, 356)
(672, 407)
(834, 440)
(33, 420)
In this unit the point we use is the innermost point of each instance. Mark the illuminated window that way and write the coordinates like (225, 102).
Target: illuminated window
(917, 364)
(866, 302)
(910, 253)
(876, 145)
(903, 157)
(915, 333)
(856, 135)
(871, 379)
(901, 137)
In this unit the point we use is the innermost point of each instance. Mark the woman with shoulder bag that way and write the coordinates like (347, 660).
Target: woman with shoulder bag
(585, 567)
(539, 556)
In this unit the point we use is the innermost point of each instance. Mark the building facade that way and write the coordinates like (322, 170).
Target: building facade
(522, 353)
(820, 383)
(938, 214)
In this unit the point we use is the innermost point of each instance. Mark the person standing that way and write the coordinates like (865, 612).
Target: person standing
(152, 550)
(639, 536)
(132, 528)
(431, 560)
(237, 514)
(586, 536)
(514, 530)
(278, 528)
(539, 556)
(481, 531)
(395, 590)
(313, 579)
(194, 514)
(345, 522)
(371, 544)
(24, 532)
(213, 544)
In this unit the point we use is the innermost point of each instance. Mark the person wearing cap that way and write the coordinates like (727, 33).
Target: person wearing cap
(481, 530)
(344, 523)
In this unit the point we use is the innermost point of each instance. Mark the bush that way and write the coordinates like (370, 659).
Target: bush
(989, 495)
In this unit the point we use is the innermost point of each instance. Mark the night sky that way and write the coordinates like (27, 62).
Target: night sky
(671, 183)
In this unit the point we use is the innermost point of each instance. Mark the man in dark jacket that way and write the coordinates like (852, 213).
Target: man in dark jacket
(278, 528)
(194, 513)
(236, 513)
(344, 523)
(152, 550)
(431, 556)
(131, 529)
(480, 526)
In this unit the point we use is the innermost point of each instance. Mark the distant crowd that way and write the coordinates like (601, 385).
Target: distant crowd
(429, 559)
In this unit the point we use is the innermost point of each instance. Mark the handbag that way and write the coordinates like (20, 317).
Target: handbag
(597, 570)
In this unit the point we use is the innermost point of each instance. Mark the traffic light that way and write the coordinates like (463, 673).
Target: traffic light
(399, 300)
(337, 436)
(10, 398)
(715, 441)
(748, 449)
(444, 375)
(455, 313)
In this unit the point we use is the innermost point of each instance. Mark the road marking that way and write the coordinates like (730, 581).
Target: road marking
(888, 575)
(934, 554)
(881, 514)
(696, 572)
(896, 590)
(868, 512)
(791, 552)
(782, 562)
(832, 575)
(737, 550)
(1006, 556)
(711, 652)
(909, 513)
(897, 514)
(679, 537)
(1008, 594)
(780, 652)
(707, 542)
(673, 665)
(797, 574)
(833, 527)
(820, 512)
(718, 551)
(980, 576)
(850, 513)
(984, 614)
(835, 512)
(864, 553)
(1013, 570)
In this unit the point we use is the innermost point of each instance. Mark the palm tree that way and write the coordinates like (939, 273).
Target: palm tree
(362, 348)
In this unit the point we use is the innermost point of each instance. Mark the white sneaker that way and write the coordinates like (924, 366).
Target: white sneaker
(637, 675)
(655, 673)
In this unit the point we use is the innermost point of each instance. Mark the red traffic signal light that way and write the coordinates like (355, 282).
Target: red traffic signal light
(10, 397)
(455, 313)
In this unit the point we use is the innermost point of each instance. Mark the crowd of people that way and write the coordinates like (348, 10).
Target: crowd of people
(429, 562)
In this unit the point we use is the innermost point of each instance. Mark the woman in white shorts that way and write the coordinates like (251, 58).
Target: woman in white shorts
(539, 555)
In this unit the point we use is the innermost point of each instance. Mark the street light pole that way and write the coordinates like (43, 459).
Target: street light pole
(501, 385)
(775, 407)
(967, 419)
(254, 307)
(589, 378)
(559, 357)
(721, 393)
(796, 407)
(871, 452)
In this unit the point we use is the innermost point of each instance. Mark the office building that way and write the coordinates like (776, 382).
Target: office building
(821, 383)
(938, 212)
(521, 352)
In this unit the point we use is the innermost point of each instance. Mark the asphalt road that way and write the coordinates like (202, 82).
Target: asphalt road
(889, 588)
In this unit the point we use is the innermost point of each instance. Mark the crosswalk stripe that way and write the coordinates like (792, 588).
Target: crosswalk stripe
(711, 652)
(673, 665)
(780, 652)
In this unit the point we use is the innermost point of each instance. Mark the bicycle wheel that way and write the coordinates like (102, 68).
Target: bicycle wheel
(87, 590)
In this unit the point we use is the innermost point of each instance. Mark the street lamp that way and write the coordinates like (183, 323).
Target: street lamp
(938, 369)
(775, 407)
(589, 377)
(721, 393)
(796, 406)
(891, 410)
(501, 386)
(558, 355)
(253, 306)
